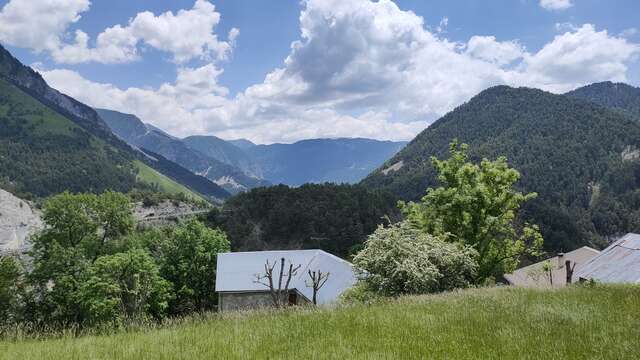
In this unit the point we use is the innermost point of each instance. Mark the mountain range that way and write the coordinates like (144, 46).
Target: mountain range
(240, 165)
(579, 151)
(138, 134)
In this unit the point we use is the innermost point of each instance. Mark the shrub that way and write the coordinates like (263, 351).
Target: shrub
(402, 260)
(360, 293)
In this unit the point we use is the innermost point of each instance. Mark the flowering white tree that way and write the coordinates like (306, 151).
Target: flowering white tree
(400, 259)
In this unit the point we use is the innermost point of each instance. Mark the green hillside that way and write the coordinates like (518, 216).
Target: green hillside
(162, 183)
(43, 152)
(490, 323)
(579, 157)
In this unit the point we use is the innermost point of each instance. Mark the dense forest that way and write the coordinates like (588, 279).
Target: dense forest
(336, 218)
(619, 96)
(581, 158)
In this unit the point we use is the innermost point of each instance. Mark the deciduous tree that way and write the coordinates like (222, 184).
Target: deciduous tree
(317, 280)
(188, 259)
(124, 286)
(278, 294)
(477, 205)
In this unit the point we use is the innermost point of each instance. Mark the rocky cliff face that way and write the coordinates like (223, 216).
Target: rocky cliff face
(18, 221)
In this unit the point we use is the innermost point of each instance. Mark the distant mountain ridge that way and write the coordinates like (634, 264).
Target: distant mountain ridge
(132, 130)
(619, 96)
(582, 159)
(342, 160)
(225, 152)
(242, 143)
(239, 165)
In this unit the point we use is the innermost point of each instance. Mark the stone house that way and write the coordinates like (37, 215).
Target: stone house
(238, 290)
(534, 275)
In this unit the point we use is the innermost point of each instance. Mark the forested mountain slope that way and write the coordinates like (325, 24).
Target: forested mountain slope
(619, 96)
(50, 142)
(43, 152)
(199, 184)
(581, 158)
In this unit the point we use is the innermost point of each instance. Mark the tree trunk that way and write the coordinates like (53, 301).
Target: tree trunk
(567, 265)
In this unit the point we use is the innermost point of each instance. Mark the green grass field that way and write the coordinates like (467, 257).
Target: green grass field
(165, 184)
(602, 322)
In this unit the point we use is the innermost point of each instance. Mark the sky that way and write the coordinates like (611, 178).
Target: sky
(286, 70)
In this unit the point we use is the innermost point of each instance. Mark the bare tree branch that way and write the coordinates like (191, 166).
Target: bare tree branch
(278, 295)
(318, 279)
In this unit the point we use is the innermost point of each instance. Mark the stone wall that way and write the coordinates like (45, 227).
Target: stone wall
(244, 301)
(231, 301)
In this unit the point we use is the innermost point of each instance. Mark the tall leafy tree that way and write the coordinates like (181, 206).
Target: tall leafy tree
(123, 286)
(188, 260)
(78, 228)
(477, 205)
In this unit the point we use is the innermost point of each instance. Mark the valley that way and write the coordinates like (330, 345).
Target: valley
(119, 239)
(241, 168)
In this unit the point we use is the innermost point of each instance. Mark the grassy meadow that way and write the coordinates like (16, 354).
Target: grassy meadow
(165, 184)
(601, 322)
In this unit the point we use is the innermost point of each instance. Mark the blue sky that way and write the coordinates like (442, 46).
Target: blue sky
(355, 68)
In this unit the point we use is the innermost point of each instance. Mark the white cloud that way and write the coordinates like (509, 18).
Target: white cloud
(630, 32)
(556, 4)
(196, 104)
(577, 58)
(187, 34)
(442, 27)
(488, 49)
(374, 56)
(361, 68)
(114, 45)
(38, 24)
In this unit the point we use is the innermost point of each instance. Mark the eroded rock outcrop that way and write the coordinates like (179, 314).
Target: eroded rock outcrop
(18, 221)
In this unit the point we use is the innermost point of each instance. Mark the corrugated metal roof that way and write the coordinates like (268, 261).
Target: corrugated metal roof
(236, 271)
(619, 263)
(534, 276)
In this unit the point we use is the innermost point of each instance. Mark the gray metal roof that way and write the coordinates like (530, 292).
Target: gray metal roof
(236, 271)
(619, 263)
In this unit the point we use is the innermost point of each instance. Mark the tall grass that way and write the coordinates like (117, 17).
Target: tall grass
(602, 322)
